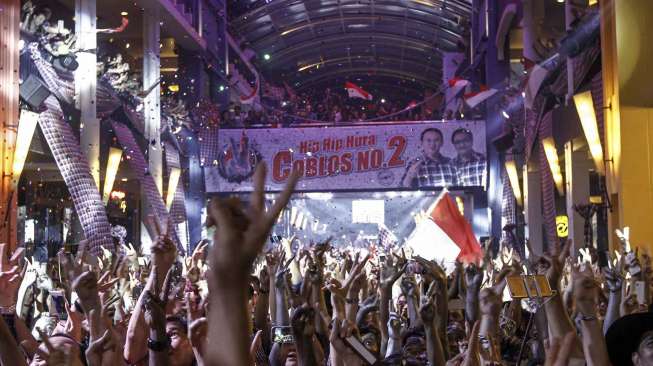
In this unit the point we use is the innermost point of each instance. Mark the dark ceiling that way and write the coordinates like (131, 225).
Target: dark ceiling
(315, 43)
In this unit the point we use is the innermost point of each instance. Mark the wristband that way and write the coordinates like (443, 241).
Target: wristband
(8, 310)
(158, 346)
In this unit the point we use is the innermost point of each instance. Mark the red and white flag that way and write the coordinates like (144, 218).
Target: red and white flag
(476, 98)
(356, 91)
(449, 219)
(457, 84)
(446, 236)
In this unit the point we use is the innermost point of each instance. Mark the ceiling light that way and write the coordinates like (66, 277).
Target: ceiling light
(585, 107)
(124, 13)
(554, 164)
(266, 57)
(505, 114)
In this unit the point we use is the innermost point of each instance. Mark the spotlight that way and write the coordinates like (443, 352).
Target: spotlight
(266, 57)
(221, 88)
(124, 13)
(382, 100)
(505, 114)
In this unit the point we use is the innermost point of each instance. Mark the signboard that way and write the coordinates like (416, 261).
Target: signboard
(411, 155)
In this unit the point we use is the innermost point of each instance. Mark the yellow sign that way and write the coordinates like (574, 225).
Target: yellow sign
(562, 226)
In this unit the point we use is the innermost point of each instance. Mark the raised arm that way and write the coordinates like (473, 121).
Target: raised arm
(559, 322)
(585, 297)
(239, 238)
(164, 254)
(391, 270)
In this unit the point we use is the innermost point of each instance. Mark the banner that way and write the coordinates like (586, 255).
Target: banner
(411, 155)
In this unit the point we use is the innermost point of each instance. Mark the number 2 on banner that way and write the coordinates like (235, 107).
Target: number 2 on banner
(398, 143)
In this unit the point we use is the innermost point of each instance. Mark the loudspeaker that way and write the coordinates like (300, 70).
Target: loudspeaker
(65, 63)
(33, 91)
(505, 141)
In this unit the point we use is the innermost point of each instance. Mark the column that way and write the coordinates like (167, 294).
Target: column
(152, 103)
(626, 62)
(85, 83)
(496, 72)
(9, 37)
(533, 207)
(577, 181)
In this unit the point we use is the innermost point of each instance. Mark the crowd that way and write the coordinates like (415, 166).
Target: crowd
(328, 105)
(231, 304)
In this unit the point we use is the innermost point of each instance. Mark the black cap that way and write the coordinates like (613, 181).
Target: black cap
(624, 335)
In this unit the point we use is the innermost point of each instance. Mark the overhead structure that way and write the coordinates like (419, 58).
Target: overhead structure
(319, 42)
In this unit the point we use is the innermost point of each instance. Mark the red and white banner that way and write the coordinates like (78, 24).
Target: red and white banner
(476, 98)
(356, 91)
(365, 157)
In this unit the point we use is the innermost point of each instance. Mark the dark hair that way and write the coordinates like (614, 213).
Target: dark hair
(431, 129)
(462, 130)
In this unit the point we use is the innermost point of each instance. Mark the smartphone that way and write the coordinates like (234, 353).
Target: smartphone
(282, 335)
(59, 301)
(358, 347)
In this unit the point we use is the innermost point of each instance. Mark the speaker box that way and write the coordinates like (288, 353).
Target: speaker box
(34, 92)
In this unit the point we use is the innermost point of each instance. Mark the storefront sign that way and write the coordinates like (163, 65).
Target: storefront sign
(562, 226)
(415, 155)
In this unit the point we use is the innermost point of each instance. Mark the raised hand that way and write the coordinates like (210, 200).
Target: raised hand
(473, 277)
(86, 287)
(391, 270)
(556, 262)
(164, 254)
(11, 276)
(613, 279)
(585, 291)
(427, 313)
(241, 234)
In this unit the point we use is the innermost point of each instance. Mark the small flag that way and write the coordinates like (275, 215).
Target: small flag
(476, 98)
(457, 84)
(386, 238)
(356, 91)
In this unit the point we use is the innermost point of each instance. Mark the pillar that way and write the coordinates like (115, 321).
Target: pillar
(85, 84)
(626, 61)
(577, 181)
(9, 37)
(152, 103)
(152, 108)
(533, 207)
(496, 72)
